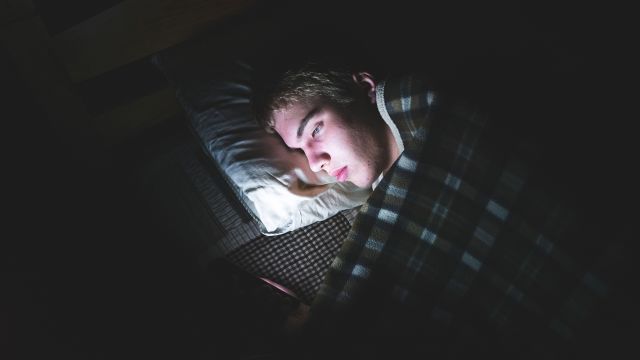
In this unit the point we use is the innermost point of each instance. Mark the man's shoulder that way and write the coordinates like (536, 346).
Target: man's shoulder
(408, 101)
(403, 86)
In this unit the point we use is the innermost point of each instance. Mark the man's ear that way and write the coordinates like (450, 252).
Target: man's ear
(366, 81)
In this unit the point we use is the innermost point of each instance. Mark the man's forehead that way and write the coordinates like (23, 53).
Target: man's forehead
(287, 120)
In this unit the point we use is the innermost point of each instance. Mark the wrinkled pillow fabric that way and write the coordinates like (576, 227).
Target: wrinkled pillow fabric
(259, 166)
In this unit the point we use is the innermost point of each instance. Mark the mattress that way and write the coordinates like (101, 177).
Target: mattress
(298, 259)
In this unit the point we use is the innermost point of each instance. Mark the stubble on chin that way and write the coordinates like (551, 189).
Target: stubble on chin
(369, 140)
(372, 159)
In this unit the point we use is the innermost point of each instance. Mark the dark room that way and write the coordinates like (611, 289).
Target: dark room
(243, 179)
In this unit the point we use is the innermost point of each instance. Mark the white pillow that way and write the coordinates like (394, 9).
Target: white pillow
(264, 172)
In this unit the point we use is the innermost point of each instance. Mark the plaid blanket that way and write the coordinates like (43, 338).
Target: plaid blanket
(465, 247)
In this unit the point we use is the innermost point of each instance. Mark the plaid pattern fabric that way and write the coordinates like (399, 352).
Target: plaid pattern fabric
(298, 259)
(464, 245)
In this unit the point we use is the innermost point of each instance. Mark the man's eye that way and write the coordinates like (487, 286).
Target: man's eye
(316, 130)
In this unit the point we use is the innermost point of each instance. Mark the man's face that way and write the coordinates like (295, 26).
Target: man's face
(347, 149)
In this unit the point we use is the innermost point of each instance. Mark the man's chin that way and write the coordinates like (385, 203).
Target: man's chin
(362, 183)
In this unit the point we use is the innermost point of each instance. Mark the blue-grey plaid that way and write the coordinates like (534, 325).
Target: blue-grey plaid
(464, 245)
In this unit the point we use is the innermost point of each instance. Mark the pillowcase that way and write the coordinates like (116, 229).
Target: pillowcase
(262, 170)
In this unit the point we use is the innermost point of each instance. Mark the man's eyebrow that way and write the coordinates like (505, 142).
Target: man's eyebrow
(305, 120)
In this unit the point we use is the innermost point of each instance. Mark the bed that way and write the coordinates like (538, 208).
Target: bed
(165, 35)
(157, 62)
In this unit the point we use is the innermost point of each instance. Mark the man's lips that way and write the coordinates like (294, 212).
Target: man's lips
(340, 174)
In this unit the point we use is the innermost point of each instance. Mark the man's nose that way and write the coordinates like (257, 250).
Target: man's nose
(317, 161)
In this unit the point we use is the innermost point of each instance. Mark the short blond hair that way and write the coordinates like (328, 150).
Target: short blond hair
(313, 81)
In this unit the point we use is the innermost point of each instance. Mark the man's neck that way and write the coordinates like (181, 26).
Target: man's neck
(393, 149)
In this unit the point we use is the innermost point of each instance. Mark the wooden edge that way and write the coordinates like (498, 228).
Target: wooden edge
(12, 10)
(135, 29)
(26, 42)
(143, 113)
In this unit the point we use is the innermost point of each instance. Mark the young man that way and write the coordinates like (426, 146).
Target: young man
(465, 246)
(331, 116)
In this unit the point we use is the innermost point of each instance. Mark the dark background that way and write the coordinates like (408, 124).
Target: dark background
(92, 269)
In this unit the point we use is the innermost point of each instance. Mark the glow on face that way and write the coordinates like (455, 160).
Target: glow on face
(345, 152)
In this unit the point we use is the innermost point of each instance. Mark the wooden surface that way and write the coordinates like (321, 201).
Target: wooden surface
(131, 119)
(11, 10)
(27, 43)
(135, 29)
(52, 67)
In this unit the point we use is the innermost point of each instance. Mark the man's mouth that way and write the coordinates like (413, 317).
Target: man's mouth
(340, 174)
